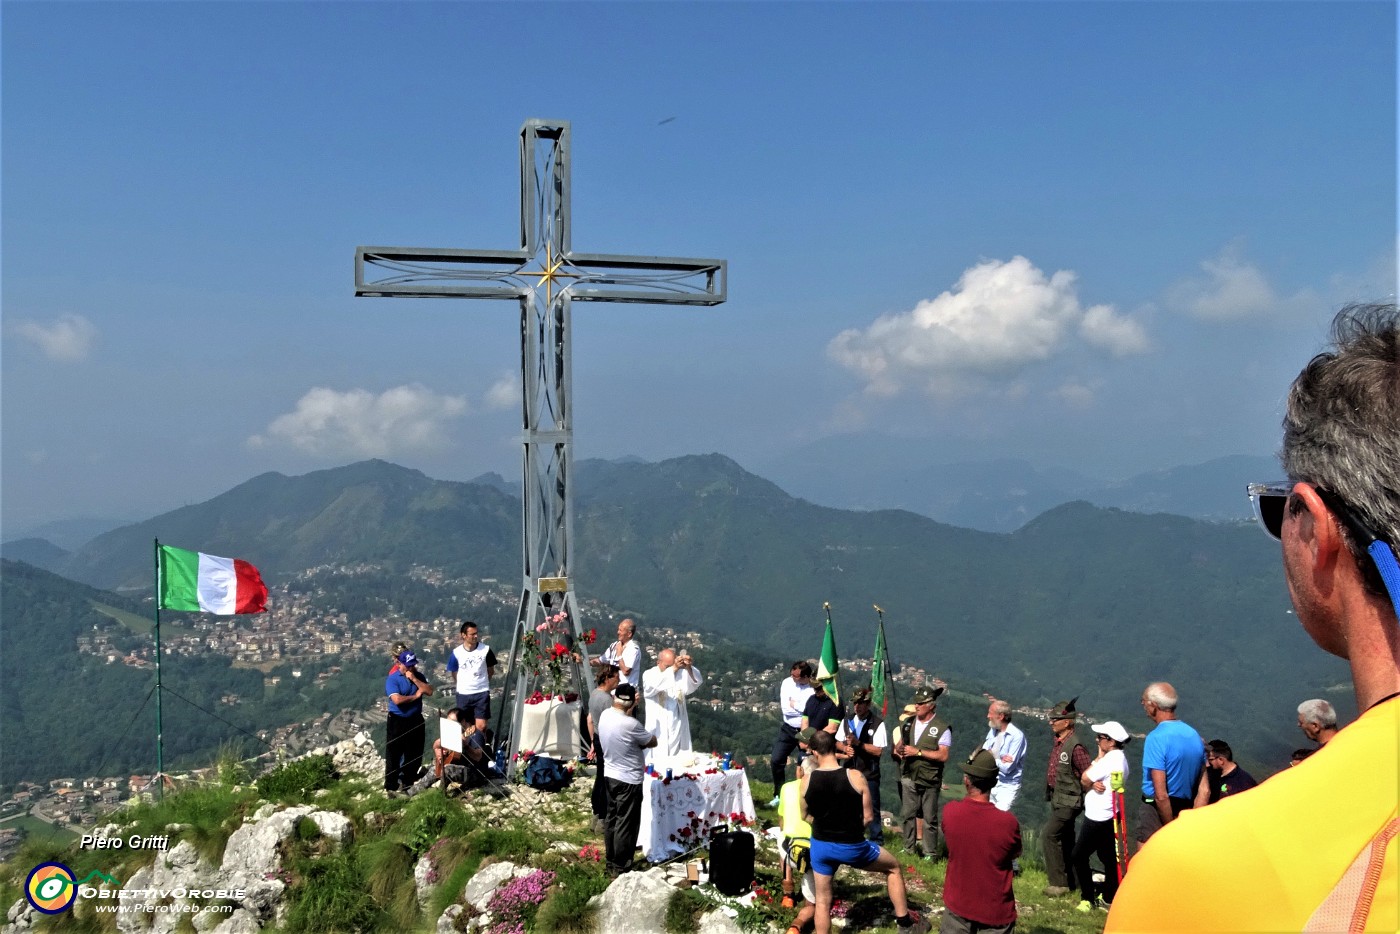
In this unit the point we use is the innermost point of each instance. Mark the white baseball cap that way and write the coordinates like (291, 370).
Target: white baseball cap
(1112, 729)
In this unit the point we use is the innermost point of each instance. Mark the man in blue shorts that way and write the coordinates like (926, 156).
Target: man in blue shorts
(836, 802)
(474, 664)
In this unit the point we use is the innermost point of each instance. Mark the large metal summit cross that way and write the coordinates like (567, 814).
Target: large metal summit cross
(544, 263)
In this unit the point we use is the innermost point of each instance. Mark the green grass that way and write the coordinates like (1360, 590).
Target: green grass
(34, 827)
(368, 886)
(210, 814)
(330, 897)
(140, 624)
(565, 910)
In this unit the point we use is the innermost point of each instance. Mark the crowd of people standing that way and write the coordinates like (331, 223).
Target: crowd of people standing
(1301, 855)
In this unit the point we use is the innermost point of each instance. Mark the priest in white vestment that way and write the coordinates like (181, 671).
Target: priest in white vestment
(665, 688)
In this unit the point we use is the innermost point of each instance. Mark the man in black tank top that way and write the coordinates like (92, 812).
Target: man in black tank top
(836, 802)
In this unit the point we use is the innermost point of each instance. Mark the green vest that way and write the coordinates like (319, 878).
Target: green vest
(922, 771)
(1067, 792)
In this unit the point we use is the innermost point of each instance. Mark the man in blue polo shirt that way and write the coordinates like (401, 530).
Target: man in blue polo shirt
(405, 736)
(1173, 761)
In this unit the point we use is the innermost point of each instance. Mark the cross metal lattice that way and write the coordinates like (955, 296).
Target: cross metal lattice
(545, 276)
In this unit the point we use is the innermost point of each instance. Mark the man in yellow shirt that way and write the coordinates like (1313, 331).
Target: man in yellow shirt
(1314, 847)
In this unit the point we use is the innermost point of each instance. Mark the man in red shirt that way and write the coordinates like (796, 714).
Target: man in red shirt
(982, 841)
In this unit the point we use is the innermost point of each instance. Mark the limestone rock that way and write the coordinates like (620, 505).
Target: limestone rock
(251, 852)
(484, 884)
(21, 917)
(636, 903)
(182, 858)
(241, 921)
(131, 920)
(264, 899)
(717, 922)
(208, 920)
(334, 826)
(423, 887)
(447, 924)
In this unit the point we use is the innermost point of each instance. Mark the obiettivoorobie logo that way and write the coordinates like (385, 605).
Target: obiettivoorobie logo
(51, 888)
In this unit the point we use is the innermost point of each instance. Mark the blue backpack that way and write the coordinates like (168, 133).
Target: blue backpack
(547, 774)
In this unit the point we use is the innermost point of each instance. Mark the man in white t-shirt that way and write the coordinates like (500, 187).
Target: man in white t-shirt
(474, 664)
(624, 743)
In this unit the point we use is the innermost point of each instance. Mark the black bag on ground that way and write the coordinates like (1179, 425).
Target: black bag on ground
(731, 861)
(547, 774)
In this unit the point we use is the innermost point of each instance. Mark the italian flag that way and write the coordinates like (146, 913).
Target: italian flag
(192, 580)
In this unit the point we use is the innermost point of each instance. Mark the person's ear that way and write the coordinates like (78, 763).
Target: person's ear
(1316, 529)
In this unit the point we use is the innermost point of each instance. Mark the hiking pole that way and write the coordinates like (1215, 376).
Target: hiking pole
(1120, 824)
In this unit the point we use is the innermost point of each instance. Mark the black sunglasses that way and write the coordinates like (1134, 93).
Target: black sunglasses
(1271, 499)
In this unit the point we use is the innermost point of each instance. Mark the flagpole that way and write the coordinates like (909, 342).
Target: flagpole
(160, 739)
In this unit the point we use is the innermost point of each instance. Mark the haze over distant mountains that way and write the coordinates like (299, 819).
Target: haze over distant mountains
(1080, 601)
(878, 472)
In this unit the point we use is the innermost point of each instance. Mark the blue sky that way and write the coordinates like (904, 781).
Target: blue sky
(1091, 235)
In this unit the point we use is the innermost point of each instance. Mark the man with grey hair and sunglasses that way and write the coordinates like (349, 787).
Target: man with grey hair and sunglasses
(1298, 853)
(1318, 720)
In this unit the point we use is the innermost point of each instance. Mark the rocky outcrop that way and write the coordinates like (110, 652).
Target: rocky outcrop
(636, 903)
(180, 884)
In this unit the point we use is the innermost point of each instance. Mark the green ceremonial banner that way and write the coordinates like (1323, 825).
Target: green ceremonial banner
(879, 675)
(827, 666)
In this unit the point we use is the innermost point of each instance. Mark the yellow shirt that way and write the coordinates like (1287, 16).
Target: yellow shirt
(1297, 853)
(790, 812)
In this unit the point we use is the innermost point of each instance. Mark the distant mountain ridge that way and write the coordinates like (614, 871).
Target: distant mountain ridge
(876, 472)
(1080, 600)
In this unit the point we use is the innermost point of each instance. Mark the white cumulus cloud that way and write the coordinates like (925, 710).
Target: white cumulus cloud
(504, 393)
(360, 423)
(1075, 394)
(1231, 288)
(68, 338)
(1000, 318)
(1105, 329)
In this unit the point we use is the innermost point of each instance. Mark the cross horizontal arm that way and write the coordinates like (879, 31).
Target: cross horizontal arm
(653, 280)
(588, 277)
(430, 273)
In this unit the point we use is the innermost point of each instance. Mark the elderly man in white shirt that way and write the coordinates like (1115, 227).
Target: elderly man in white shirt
(624, 654)
(666, 687)
(1007, 745)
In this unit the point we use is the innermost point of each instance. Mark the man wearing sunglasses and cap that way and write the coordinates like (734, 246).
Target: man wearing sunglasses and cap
(404, 734)
(1068, 759)
(1314, 847)
(922, 749)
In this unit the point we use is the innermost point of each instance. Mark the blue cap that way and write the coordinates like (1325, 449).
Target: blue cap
(408, 659)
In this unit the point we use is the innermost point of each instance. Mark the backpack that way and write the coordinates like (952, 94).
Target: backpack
(547, 774)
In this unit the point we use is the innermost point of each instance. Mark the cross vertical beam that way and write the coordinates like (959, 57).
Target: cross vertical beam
(544, 276)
